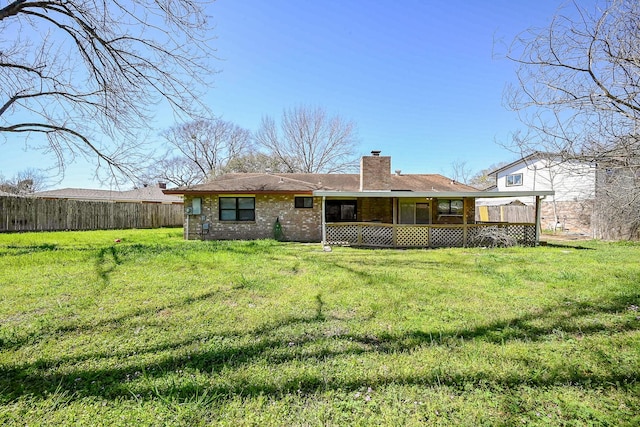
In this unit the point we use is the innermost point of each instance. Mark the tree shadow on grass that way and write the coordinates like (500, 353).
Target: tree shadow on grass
(273, 344)
(29, 249)
(78, 326)
(107, 260)
(569, 246)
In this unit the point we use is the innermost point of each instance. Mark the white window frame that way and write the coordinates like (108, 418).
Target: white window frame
(513, 180)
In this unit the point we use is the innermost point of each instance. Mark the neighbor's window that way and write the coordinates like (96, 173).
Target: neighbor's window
(450, 207)
(304, 202)
(514, 180)
(237, 208)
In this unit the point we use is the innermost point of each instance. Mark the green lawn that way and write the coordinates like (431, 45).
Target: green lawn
(153, 330)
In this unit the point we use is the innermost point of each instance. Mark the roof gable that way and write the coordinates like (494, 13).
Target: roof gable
(553, 159)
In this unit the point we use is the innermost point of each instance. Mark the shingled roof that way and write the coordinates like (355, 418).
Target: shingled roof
(150, 194)
(308, 182)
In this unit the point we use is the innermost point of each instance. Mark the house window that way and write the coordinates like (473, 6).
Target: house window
(423, 213)
(340, 210)
(412, 212)
(514, 180)
(450, 207)
(237, 208)
(304, 202)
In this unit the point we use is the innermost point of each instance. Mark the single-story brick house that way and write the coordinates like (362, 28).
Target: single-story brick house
(372, 208)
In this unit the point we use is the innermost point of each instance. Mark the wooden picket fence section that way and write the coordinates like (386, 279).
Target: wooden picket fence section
(506, 213)
(36, 214)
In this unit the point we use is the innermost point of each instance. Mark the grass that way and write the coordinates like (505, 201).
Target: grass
(153, 330)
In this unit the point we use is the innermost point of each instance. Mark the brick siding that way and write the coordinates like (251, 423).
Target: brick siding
(298, 224)
(375, 173)
(573, 217)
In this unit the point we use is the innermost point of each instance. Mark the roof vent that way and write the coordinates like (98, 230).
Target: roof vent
(398, 172)
(375, 153)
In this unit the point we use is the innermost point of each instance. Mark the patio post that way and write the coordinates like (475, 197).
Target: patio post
(323, 222)
(465, 212)
(394, 213)
(538, 215)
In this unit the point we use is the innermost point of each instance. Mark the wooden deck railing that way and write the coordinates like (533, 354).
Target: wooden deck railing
(430, 236)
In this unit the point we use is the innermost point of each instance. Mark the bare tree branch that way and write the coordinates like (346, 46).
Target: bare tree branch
(81, 68)
(309, 141)
(24, 182)
(578, 92)
(202, 149)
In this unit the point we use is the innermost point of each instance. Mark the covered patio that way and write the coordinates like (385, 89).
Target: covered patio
(406, 219)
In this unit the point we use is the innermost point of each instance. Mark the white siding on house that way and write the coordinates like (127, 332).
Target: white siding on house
(570, 181)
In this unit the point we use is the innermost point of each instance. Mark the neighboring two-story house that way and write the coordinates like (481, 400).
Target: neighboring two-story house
(574, 183)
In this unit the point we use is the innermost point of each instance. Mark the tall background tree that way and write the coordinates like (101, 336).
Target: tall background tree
(81, 77)
(483, 178)
(309, 140)
(200, 150)
(256, 161)
(460, 171)
(25, 182)
(578, 92)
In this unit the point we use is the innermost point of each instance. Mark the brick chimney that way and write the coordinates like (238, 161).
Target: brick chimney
(375, 172)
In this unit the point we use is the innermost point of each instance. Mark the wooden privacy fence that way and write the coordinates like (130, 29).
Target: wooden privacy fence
(506, 213)
(35, 214)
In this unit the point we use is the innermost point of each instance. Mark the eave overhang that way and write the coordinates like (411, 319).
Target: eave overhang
(209, 192)
(432, 194)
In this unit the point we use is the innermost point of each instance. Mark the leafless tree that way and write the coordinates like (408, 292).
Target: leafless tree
(177, 170)
(460, 171)
(578, 92)
(617, 211)
(256, 162)
(201, 149)
(77, 75)
(24, 182)
(308, 140)
(482, 179)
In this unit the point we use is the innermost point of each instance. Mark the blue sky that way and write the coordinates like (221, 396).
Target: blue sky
(422, 80)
